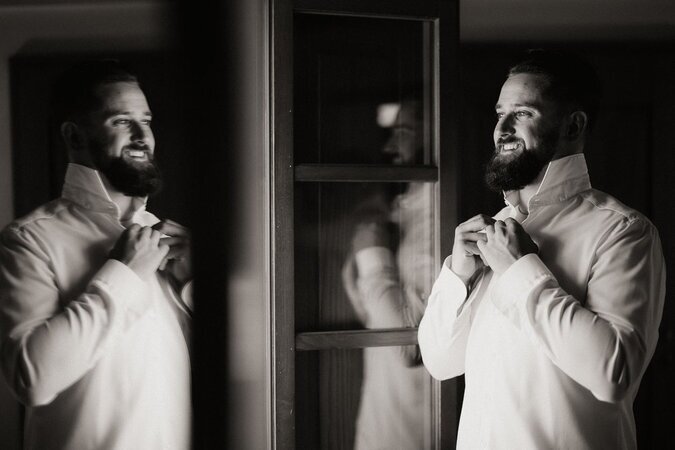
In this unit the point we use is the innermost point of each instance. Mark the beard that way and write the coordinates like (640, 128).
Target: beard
(509, 173)
(132, 178)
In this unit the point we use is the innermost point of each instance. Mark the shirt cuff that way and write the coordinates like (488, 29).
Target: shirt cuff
(123, 285)
(448, 281)
(516, 284)
(372, 260)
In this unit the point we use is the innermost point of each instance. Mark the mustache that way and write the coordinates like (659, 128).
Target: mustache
(501, 142)
(137, 147)
(509, 140)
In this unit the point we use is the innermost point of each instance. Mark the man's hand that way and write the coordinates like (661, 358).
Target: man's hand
(466, 257)
(506, 242)
(178, 261)
(140, 249)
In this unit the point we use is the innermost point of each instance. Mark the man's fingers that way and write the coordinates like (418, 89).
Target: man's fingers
(133, 229)
(468, 237)
(177, 251)
(145, 233)
(178, 246)
(476, 223)
(164, 250)
(512, 224)
(171, 228)
(174, 240)
(472, 248)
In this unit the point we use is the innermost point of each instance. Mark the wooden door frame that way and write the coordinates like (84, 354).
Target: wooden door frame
(444, 15)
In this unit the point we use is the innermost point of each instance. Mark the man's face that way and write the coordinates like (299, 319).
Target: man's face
(120, 140)
(527, 133)
(406, 141)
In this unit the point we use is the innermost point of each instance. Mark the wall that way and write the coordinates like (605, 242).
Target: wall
(62, 28)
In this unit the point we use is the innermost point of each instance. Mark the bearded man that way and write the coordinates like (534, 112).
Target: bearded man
(94, 289)
(551, 308)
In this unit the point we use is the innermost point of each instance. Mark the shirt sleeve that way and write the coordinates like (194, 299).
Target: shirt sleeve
(605, 343)
(386, 301)
(46, 347)
(446, 323)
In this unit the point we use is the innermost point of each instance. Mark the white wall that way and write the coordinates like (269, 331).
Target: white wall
(99, 26)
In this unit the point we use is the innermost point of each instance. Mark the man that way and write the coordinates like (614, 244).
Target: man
(551, 309)
(93, 288)
(387, 276)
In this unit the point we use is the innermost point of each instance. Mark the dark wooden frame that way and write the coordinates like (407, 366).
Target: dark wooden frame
(444, 18)
(364, 173)
(328, 340)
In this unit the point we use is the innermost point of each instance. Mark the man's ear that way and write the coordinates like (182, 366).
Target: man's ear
(75, 142)
(577, 125)
(71, 135)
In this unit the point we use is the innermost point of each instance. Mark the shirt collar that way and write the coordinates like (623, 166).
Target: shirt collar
(84, 186)
(564, 178)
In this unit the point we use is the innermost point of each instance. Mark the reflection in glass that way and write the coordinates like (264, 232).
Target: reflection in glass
(364, 252)
(388, 276)
(333, 221)
(330, 399)
(344, 68)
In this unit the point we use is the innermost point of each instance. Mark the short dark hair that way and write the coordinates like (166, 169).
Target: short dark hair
(571, 79)
(74, 92)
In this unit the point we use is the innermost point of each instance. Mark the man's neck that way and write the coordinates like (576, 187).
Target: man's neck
(127, 205)
(526, 193)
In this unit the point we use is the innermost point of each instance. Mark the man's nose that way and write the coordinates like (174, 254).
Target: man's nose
(138, 132)
(504, 126)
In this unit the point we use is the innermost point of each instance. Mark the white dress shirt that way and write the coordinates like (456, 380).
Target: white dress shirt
(98, 356)
(553, 350)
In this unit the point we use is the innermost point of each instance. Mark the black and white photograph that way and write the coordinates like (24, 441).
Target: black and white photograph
(337, 224)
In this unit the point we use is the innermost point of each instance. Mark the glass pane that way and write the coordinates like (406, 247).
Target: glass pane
(361, 90)
(362, 399)
(364, 254)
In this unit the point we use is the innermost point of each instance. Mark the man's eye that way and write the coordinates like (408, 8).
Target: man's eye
(499, 115)
(523, 114)
(146, 122)
(121, 122)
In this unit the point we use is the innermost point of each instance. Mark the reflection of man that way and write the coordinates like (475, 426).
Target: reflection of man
(93, 327)
(552, 308)
(387, 283)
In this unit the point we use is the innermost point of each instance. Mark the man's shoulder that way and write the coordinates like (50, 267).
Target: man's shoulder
(615, 214)
(605, 203)
(40, 217)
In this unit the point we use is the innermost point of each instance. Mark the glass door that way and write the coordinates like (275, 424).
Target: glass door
(367, 196)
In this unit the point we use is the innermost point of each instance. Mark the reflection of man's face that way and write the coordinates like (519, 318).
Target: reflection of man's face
(120, 139)
(526, 135)
(406, 139)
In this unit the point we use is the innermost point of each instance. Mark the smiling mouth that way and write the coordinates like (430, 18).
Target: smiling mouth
(510, 146)
(140, 155)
